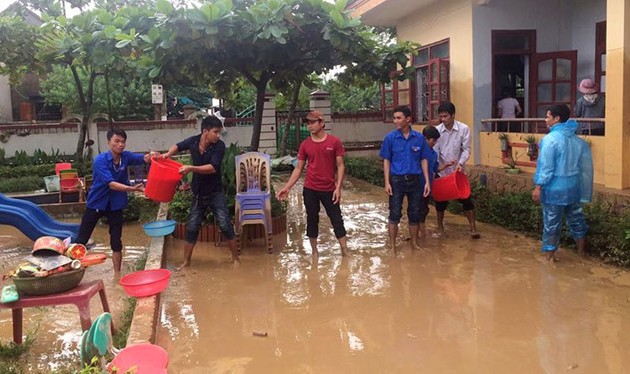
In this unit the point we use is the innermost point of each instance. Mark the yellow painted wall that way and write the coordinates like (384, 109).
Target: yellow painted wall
(490, 147)
(617, 155)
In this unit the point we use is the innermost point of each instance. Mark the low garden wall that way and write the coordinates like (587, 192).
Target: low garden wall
(212, 233)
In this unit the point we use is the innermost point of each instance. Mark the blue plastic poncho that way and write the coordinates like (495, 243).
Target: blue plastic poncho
(565, 166)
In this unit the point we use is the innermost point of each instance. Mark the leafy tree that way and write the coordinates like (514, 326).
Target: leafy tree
(353, 98)
(16, 60)
(130, 98)
(271, 43)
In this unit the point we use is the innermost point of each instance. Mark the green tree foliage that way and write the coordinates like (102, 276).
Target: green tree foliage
(16, 60)
(271, 43)
(130, 98)
(353, 98)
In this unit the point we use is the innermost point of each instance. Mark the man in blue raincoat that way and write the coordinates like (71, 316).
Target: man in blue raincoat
(564, 180)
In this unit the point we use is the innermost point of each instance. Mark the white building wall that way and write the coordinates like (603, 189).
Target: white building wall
(351, 132)
(584, 15)
(137, 140)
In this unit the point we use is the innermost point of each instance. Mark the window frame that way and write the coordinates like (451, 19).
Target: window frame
(395, 91)
(600, 51)
(433, 81)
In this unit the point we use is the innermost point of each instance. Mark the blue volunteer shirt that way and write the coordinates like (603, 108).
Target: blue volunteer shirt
(433, 166)
(100, 196)
(405, 154)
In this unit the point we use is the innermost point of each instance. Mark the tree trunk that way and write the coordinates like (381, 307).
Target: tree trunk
(82, 133)
(109, 100)
(295, 95)
(260, 103)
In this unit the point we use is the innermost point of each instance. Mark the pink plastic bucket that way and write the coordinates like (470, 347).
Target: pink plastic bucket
(162, 180)
(451, 187)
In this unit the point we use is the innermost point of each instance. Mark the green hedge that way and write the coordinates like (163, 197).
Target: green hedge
(7, 172)
(26, 178)
(23, 184)
(608, 237)
(367, 169)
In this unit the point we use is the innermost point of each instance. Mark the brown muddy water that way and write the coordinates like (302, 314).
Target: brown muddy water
(456, 306)
(57, 330)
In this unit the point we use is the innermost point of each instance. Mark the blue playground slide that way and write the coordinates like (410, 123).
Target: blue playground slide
(33, 220)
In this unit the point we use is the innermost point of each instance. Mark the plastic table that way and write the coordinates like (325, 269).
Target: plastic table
(79, 296)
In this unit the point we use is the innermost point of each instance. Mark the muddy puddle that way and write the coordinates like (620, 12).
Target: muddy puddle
(57, 330)
(456, 306)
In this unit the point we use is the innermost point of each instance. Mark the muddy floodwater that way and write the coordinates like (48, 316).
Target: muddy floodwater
(57, 330)
(455, 306)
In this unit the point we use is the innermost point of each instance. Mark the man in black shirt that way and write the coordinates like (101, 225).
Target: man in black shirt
(206, 152)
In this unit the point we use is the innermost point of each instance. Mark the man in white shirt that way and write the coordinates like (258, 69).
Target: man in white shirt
(453, 147)
(509, 107)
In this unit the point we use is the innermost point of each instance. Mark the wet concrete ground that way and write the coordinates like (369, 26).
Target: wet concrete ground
(57, 330)
(456, 306)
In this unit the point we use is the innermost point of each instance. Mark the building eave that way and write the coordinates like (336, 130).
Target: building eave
(385, 12)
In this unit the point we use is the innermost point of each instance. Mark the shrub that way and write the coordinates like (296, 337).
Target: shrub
(7, 172)
(516, 211)
(609, 225)
(22, 184)
(140, 209)
(368, 169)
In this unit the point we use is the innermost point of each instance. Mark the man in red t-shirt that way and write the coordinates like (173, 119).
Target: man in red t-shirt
(324, 153)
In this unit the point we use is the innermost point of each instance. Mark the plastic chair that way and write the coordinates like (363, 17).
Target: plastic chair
(253, 202)
(62, 166)
(143, 358)
(69, 182)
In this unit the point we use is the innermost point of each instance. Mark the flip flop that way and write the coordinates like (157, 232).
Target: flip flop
(475, 235)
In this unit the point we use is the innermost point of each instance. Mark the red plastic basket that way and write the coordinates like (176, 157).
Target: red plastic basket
(452, 187)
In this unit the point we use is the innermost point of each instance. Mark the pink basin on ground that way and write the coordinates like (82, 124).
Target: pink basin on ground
(145, 282)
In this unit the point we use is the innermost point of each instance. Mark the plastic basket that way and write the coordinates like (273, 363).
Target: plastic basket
(59, 282)
(52, 183)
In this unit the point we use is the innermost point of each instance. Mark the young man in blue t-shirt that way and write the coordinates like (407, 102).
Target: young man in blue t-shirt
(108, 194)
(404, 153)
(206, 152)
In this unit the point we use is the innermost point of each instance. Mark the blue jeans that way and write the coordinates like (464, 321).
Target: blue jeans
(409, 185)
(552, 224)
(217, 202)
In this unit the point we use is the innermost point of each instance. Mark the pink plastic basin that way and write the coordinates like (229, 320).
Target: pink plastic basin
(145, 282)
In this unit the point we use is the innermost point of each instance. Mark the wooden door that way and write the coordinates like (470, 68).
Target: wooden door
(552, 81)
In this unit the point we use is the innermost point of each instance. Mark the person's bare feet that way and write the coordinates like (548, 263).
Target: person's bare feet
(184, 265)
(392, 247)
(438, 234)
(551, 257)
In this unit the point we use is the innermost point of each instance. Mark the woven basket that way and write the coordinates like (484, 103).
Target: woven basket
(60, 282)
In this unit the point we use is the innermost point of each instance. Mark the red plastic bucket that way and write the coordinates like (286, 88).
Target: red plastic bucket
(162, 180)
(452, 187)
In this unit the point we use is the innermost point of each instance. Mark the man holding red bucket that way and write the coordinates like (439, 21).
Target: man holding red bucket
(206, 152)
(108, 194)
(405, 153)
(453, 147)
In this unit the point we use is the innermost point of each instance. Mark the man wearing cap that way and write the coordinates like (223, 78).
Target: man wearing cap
(405, 153)
(324, 153)
(590, 105)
